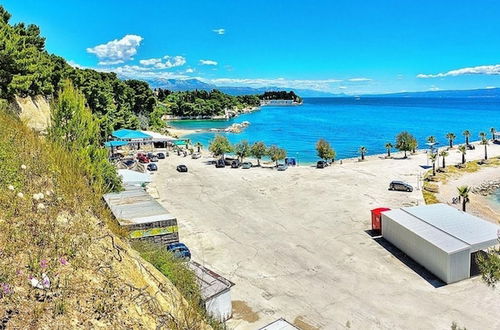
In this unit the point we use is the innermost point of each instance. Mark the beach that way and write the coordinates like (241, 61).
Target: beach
(297, 244)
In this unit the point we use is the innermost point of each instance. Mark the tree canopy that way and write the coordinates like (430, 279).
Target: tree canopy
(220, 145)
(325, 150)
(405, 142)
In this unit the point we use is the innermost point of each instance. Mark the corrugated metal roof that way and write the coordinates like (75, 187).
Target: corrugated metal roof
(211, 283)
(136, 206)
(447, 228)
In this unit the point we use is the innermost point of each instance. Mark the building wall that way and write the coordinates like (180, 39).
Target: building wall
(220, 306)
(459, 266)
(429, 256)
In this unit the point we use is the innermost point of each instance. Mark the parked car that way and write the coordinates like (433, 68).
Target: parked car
(195, 155)
(470, 146)
(152, 167)
(182, 168)
(160, 155)
(180, 250)
(321, 164)
(142, 158)
(152, 157)
(128, 162)
(220, 163)
(246, 165)
(282, 167)
(400, 186)
(235, 164)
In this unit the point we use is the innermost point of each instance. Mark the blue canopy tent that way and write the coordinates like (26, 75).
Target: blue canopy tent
(131, 135)
(112, 144)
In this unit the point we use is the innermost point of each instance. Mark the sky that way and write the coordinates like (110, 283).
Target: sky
(353, 47)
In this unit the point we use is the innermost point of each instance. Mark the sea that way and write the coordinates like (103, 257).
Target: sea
(349, 123)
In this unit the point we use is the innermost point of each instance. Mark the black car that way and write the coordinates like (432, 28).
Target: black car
(152, 167)
(220, 163)
(470, 147)
(400, 186)
(235, 164)
(129, 162)
(160, 155)
(321, 164)
(182, 168)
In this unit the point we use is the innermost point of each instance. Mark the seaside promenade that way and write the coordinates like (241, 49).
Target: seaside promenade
(296, 243)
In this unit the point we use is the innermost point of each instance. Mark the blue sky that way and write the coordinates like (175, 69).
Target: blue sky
(352, 46)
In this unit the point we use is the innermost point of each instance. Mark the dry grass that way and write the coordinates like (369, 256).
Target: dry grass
(60, 264)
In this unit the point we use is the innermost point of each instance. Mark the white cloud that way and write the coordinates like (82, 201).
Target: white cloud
(358, 79)
(117, 51)
(219, 31)
(208, 62)
(190, 70)
(483, 69)
(490, 87)
(434, 88)
(166, 62)
(141, 72)
(342, 87)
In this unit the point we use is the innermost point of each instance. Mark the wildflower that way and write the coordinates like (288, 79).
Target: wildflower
(20, 195)
(11, 187)
(23, 167)
(40, 206)
(48, 193)
(44, 263)
(63, 261)
(45, 281)
(5, 288)
(44, 284)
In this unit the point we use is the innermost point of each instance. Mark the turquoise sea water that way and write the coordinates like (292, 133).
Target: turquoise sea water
(348, 123)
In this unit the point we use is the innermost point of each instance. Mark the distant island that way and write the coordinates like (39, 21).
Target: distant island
(214, 104)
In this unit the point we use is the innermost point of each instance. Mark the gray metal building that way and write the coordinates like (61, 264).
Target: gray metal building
(439, 237)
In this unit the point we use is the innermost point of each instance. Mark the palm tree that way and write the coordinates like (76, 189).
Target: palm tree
(451, 136)
(433, 158)
(388, 146)
(431, 139)
(463, 150)
(362, 151)
(467, 134)
(463, 192)
(493, 131)
(198, 145)
(484, 142)
(443, 154)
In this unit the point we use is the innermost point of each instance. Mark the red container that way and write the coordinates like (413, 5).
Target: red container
(377, 218)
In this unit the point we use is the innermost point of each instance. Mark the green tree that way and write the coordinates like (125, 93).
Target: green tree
(276, 154)
(242, 150)
(463, 192)
(489, 265)
(405, 142)
(433, 158)
(220, 145)
(389, 146)
(431, 139)
(75, 128)
(362, 151)
(324, 150)
(258, 151)
(444, 154)
(451, 137)
(463, 150)
(467, 135)
(198, 145)
(484, 142)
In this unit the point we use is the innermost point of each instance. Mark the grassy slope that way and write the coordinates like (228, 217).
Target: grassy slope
(96, 279)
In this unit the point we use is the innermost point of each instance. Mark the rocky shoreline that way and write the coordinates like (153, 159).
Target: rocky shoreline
(486, 188)
(228, 114)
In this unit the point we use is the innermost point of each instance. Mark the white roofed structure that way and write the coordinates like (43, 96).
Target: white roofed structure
(439, 237)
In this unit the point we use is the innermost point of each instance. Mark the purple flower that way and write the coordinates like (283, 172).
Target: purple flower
(63, 261)
(6, 288)
(44, 263)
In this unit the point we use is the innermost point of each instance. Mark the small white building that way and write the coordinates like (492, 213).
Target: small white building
(215, 292)
(439, 237)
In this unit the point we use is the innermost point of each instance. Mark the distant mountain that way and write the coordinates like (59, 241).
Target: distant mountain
(486, 92)
(192, 84)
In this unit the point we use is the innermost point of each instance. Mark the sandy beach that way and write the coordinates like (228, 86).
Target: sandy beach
(297, 244)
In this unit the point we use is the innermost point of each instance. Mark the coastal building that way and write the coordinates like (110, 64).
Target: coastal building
(142, 216)
(215, 292)
(138, 139)
(278, 102)
(496, 137)
(439, 237)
